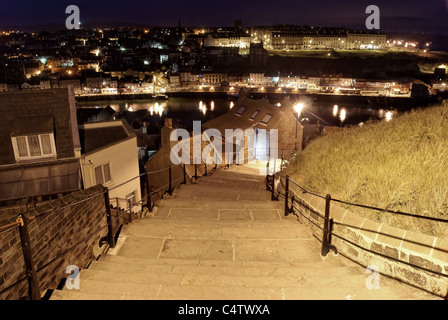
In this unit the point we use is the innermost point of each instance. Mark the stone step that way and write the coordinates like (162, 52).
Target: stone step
(78, 295)
(209, 220)
(209, 192)
(218, 204)
(172, 292)
(193, 231)
(284, 250)
(141, 262)
(301, 270)
(136, 279)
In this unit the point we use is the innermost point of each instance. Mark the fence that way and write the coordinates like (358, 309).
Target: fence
(411, 264)
(46, 238)
(100, 223)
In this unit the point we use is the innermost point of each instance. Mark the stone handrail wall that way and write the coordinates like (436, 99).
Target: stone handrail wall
(56, 231)
(414, 258)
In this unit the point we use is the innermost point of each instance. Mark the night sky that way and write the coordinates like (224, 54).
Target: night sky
(430, 16)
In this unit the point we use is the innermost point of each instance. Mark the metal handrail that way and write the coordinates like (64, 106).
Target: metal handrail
(31, 271)
(327, 232)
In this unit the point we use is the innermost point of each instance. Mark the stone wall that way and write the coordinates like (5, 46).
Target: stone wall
(65, 232)
(414, 258)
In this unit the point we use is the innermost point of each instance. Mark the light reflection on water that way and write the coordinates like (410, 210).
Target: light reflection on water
(188, 110)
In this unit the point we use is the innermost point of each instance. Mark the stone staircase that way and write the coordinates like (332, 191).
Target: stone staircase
(222, 238)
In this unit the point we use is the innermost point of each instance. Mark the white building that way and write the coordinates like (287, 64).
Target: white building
(110, 158)
(257, 79)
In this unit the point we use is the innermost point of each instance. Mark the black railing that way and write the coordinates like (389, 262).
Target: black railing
(327, 228)
(31, 270)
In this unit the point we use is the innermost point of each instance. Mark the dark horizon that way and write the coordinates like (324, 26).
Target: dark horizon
(410, 16)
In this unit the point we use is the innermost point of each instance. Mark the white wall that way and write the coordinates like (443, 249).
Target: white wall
(123, 160)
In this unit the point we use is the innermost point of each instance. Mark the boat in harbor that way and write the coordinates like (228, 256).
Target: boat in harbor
(160, 96)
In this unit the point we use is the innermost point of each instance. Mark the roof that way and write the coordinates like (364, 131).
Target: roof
(247, 113)
(35, 106)
(32, 125)
(98, 135)
(39, 179)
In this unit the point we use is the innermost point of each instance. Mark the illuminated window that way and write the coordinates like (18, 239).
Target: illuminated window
(266, 118)
(35, 146)
(102, 174)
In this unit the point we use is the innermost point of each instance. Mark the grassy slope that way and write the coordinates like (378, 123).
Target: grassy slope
(400, 165)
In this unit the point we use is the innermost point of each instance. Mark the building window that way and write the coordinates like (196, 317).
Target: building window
(35, 146)
(266, 118)
(252, 117)
(241, 110)
(130, 199)
(102, 174)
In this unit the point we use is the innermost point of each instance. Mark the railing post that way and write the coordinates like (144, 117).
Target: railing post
(216, 160)
(267, 176)
(287, 196)
(273, 198)
(31, 273)
(110, 235)
(148, 194)
(130, 211)
(281, 164)
(195, 170)
(326, 245)
(170, 180)
(205, 166)
(185, 174)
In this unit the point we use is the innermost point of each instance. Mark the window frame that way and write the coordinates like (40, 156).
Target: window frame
(103, 176)
(238, 113)
(254, 115)
(16, 150)
(267, 121)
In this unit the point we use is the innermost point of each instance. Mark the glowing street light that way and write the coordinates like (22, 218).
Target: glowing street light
(388, 116)
(231, 104)
(335, 110)
(298, 108)
(343, 115)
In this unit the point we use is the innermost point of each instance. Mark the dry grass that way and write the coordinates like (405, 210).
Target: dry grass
(400, 165)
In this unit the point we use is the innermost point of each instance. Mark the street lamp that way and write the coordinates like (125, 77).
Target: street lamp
(335, 110)
(298, 108)
(343, 115)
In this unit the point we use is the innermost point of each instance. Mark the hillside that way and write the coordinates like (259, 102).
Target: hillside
(400, 165)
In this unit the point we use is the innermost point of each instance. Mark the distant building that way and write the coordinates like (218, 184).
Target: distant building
(419, 89)
(325, 38)
(258, 55)
(262, 117)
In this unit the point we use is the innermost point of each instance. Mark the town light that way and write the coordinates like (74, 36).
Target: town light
(231, 104)
(343, 115)
(335, 110)
(388, 116)
(298, 108)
